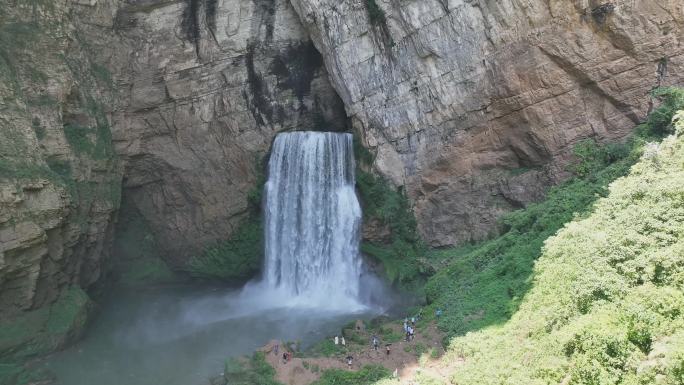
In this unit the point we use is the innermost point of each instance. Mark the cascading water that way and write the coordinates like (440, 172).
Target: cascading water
(312, 219)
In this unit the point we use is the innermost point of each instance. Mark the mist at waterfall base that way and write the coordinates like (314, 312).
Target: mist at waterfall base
(312, 221)
(313, 283)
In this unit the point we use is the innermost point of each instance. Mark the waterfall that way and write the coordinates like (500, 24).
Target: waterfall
(312, 218)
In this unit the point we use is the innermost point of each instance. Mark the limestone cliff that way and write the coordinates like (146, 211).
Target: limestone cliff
(59, 177)
(203, 87)
(475, 105)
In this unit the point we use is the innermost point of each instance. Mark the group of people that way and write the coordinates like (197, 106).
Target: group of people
(410, 329)
(339, 341)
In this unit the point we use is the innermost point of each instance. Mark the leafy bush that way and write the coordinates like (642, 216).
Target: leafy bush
(659, 122)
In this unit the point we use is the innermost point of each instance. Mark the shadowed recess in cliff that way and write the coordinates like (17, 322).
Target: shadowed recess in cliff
(259, 103)
(296, 66)
(192, 22)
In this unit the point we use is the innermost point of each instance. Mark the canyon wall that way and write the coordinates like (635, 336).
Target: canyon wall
(474, 106)
(60, 179)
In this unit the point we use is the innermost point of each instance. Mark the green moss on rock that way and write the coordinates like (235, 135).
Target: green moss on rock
(46, 329)
(234, 260)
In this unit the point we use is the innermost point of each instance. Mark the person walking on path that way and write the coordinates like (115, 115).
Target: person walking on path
(387, 349)
(349, 360)
(375, 342)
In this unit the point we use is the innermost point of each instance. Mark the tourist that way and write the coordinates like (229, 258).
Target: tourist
(395, 374)
(405, 326)
(412, 332)
(285, 357)
(413, 321)
(275, 349)
(387, 349)
(438, 312)
(337, 341)
(344, 343)
(408, 335)
(349, 361)
(375, 343)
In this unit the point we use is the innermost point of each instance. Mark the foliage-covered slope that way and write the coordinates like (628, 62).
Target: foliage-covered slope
(606, 299)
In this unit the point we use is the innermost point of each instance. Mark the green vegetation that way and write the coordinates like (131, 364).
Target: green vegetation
(325, 348)
(402, 256)
(367, 375)
(14, 374)
(46, 329)
(102, 74)
(484, 284)
(249, 372)
(606, 300)
(240, 257)
(659, 122)
(234, 260)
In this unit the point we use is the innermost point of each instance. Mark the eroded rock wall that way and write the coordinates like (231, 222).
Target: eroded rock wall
(59, 177)
(204, 86)
(474, 106)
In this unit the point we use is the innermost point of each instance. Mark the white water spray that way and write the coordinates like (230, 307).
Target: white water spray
(312, 219)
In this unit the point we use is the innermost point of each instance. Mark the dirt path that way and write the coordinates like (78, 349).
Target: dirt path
(404, 356)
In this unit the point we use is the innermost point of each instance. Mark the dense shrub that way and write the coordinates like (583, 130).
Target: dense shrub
(605, 297)
(402, 257)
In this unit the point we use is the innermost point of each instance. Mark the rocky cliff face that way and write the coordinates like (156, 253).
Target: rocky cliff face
(204, 86)
(176, 102)
(474, 106)
(59, 177)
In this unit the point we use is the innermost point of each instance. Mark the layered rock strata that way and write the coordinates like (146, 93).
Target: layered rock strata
(475, 106)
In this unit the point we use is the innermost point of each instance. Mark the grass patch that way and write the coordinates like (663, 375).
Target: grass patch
(249, 372)
(367, 375)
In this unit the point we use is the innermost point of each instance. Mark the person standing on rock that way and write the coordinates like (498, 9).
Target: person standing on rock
(337, 341)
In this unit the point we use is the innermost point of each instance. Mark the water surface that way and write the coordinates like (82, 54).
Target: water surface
(182, 335)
